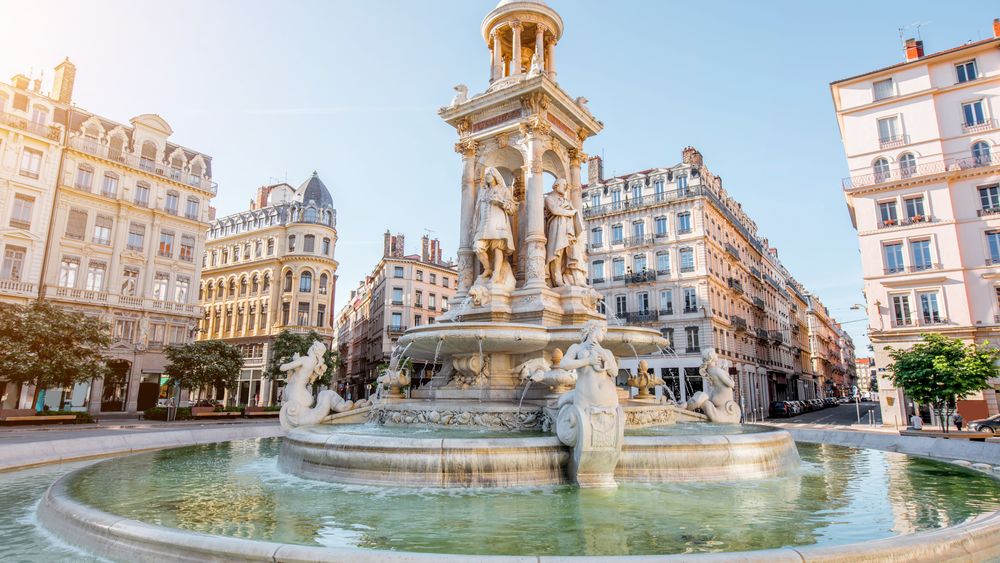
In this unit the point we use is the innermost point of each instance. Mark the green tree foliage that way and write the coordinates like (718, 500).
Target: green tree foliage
(49, 346)
(940, 370)
(203, 364)
(289, 343)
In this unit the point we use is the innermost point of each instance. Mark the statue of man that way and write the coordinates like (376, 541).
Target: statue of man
(564, 228)
(494, 239)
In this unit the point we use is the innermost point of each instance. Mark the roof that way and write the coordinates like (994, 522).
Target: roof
(315, 190)
(972, 45)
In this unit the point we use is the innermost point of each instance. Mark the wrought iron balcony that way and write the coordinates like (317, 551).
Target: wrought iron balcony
(642, 202)
(638, 241)
(988, 211)
(735, 252)
(740, 324)
(912, 269)
(667, 311)
(893, 141)
(735, 285)
(48, 131)
(755, 272)
(158, 168)
(642, 317)
(619, 277)
(758, 302)
(688, 310)
(921, 169)
(888, 223)
(597, 280)
(761, 333)
(980, 127)
(776, 335)
(644, 276)
(394, 329)
(692, 349)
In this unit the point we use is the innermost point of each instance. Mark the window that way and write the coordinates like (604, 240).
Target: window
(305, 282)
(660, 224)
(326, 247)
(636, 192)
(901, 310)
(666, 302)
(191, 211)
(418, 299)
(270, 247)
(880, 168)
(142, 194)
(981, 152)
(170, 205)
(302, 319)
(288, 281)
(95, 276)
(915, 208)
(124, 330)
(616, 199)
(621, 306)
(420, 275)
(267, 283)
(187, 248)
(285, 309)
(84, 177)
(397, 321)
(444, 281)
(76, 225)
(888, 129)
(893, 253)
(993, 241)
(642, 303)
(687, 260)
(882, 89)
(397, 271)
(102, 230)
(596, 237)
(166, 244)
(431, 301)
(658, 189)
(181, 286)
(130, 282)
(617, 234)
(907, 165)
(136, 237)
(683, 223)
(309, 243)
(639, 263)
(966, 71)
(973, 113)
(310, 215)
(291, 243)
(320, 315)
(397, 296)
(417, 320)
(618, 269)
(20, 214)
(638, 230)
(595, 199)
(989, 197)
(887, 212)
(109, 187)
(31, 163)
(13, 263)
(668, 333)
(921, 250)
(434, 278)
(693, 344)
(690, 300)
(324, 281)
(663, 262)
(69, 269)
(160, 283)
(929, 311)
(39, 115)
(682, 184)
(597, 271)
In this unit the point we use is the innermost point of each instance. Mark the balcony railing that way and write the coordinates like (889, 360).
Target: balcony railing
(735, 285)
(740, 324)
(597, 244)
(735, 252)
(17, 287)
(644, 276)
(638, 241)
(988, 211)
(922, 169)
(690, 310)
(394, 329)
(986, 125)
(912, 269)
(692, 349)
(776, 336)
(158, 168)
(758, 302)
(893, 141)
(755, 272)
(667, 311)
(597, 281)
(618, 277)
(639, 203)
(25, 124)
(641, 317)
(761, 333)
(888, 223)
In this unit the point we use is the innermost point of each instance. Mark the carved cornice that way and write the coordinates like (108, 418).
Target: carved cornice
(535, 126)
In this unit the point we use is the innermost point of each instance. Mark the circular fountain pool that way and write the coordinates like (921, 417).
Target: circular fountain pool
(236, 490)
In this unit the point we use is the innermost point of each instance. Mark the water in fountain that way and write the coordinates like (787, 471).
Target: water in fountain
(432, 392)
(481, 379)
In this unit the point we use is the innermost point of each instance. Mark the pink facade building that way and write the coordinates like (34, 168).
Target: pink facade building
(921, 142)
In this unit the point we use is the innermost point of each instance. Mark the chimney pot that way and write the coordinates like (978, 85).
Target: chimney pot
(996, 27)
(914, 49)
(595, 170)
(62, 82)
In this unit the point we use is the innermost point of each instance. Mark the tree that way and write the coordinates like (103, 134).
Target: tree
(289, 343)
(940, 370)
(48, 346)
(204, 363)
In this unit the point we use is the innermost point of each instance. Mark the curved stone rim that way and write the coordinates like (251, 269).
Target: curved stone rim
(109, 536)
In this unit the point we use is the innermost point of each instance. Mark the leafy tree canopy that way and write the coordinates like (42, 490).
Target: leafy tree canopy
(289, 343)
(204, 363)
(49, 346)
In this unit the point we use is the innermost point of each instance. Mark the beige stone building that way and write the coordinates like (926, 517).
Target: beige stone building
(669, 248)
(269, 269)
(106, 218)
(403, 291)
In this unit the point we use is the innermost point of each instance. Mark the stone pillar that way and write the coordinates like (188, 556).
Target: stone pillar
(497, 71)
(540, 45)
(550, 59)
(534, 277)
(515, 65)
(466, 256)
(576, 158)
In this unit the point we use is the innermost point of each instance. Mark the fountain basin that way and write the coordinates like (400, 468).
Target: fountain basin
(442, 457)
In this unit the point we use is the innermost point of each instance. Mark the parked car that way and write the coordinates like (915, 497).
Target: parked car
(797, 407)
(830, 402)
(991, 424)
(780, 409)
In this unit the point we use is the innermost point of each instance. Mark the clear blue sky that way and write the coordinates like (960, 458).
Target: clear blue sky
(350, 88)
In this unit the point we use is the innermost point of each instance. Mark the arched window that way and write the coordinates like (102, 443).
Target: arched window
(981, 153)
(254, 285)
(881, 169)
(243, 287)
(291, 243)
(288, 281)
(907, 165)
(116, 148)
(267, 283)
(309, 243)
(311, 215)
(208, 291)
(324, 280)
(232, 288)
(306, 282)
(326, 247)
(196, 168)
(147, 158)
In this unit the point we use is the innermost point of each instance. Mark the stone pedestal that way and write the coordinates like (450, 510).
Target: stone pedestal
(596, 435)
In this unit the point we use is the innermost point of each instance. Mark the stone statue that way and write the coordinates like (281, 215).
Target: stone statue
(644, 381)
(590, 420)
(541, 370)
(395, 377)
(717, 404)
(295, 406)
(564, 227)
(461, 95)
(536, 65)
(494, 238)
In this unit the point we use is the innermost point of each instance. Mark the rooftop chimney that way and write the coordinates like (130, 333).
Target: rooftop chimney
(996, 27)
(19, 81)
(387, 244)
(914, 49)
(425, 242)
(690, 155)
(62, 84)
(595, 170)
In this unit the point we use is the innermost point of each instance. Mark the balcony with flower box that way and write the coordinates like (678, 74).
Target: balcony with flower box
(914, 220)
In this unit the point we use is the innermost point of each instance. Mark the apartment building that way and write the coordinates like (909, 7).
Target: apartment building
(265, 270)
(923, 192)
(669, 248)
(108, 218)
(403, 291)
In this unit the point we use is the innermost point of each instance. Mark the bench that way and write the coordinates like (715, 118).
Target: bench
(258, 411)
(205, 412)
(29, 415)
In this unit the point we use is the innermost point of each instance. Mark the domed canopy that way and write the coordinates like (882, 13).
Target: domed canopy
(522, 10)
(313, 189)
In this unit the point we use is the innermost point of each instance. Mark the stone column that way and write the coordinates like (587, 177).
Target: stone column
(534, 277)
(466, 256)
(550, 58)
(516, 62)
(540, 45)
(576, 158)
(497, 72)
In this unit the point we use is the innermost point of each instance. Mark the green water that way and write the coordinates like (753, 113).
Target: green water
(413, 431)
(839, 495)
(697, 429)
